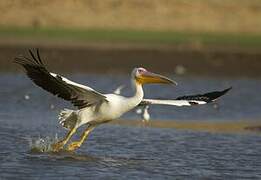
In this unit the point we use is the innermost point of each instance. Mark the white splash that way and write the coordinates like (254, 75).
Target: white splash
(42, 144)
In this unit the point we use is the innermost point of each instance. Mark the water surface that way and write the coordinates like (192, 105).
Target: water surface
(135, 152)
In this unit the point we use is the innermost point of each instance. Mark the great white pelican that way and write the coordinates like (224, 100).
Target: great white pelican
(94, 108)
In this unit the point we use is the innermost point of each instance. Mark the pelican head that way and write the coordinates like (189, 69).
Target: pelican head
(142, 76)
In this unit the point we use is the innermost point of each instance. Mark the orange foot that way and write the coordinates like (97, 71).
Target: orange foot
(57, 146)
(73, 146)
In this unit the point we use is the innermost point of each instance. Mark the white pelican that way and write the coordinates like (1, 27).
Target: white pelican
(94, 108)
(146, 115)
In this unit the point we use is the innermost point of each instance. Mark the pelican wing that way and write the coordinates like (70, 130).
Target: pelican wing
(188, 100)
(79, 95)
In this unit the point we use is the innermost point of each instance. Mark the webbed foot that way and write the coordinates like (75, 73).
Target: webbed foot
(73, 146)
(58, 146)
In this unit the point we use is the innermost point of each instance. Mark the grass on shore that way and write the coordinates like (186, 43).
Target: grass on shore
(127, 36)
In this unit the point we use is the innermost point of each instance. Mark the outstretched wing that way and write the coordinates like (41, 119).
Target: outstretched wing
(188, 100)
(79, 95)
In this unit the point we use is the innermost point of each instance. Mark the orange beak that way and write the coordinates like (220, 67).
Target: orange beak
(149, 77)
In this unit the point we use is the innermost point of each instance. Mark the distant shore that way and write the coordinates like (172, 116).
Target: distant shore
(83, 57)
(175, 15)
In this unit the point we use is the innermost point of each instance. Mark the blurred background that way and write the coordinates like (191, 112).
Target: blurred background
(204, 45)
(203, 37)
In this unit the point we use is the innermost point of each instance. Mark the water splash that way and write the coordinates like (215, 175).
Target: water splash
(42, 144)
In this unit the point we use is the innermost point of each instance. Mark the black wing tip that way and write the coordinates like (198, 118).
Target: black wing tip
(36, 55)
(18, 60)
(215, 95)
(207, 97)
(34, 60)
(225, 91)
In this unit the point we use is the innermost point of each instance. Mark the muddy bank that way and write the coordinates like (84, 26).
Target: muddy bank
(121, 58)
(229, 126)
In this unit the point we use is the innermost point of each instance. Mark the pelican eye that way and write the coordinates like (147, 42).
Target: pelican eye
(140, 71)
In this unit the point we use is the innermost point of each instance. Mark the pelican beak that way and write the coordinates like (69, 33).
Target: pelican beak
(149, 77)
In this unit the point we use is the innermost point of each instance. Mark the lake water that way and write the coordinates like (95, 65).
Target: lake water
(119, 152)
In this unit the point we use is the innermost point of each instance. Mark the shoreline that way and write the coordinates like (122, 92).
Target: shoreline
(230, 126)
(119, 58)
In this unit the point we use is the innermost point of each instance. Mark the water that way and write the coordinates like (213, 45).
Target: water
(118, 152)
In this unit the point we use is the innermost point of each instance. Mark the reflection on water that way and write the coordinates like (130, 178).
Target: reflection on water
(134, 152)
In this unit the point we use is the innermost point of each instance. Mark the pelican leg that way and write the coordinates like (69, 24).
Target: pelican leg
(59, 145)
(76, 144)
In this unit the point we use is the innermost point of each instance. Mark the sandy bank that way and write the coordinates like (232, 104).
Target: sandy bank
(204, 126)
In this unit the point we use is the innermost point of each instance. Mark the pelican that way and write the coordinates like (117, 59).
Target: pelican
(95, 108)
(146, 115)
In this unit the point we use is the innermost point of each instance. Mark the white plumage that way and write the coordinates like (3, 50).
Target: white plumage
(174, 102)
